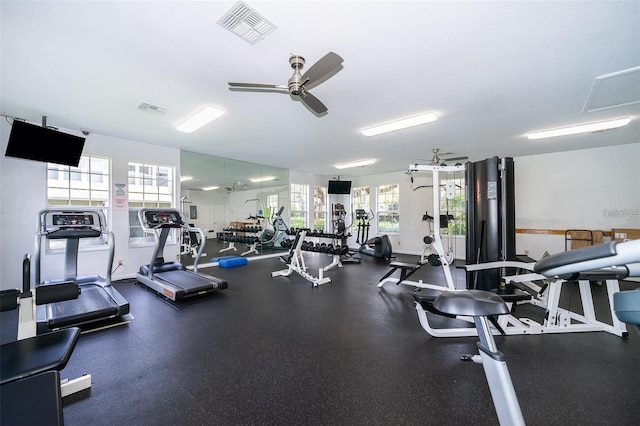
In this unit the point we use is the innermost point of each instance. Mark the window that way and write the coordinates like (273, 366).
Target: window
(388, 208)
(361, 197)
(150, 185)
(299, 205)
(86, 185)
(320, 208)
(272, 205)
(453, 203)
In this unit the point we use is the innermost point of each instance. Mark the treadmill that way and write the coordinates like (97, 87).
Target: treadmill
(97, 300)
(172, 279)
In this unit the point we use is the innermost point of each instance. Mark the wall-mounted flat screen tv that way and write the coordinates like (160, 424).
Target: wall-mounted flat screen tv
(33, 142)
(339, 187)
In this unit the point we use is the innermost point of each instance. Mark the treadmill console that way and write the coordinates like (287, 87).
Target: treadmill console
(163, 219)
(71, 224)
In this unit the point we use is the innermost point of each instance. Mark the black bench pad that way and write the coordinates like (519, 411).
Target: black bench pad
(44, 352)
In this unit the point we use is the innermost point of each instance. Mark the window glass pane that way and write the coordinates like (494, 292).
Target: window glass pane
(79, 187)
(299, 209)
(388, 208)
(320, 208)
(150, 185)
(455, 206)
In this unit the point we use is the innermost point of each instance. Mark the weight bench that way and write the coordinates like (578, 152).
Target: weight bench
(30, 377)
(37, 354)
(406, 270)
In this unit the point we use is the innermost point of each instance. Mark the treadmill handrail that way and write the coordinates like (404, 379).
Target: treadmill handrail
(161, 231)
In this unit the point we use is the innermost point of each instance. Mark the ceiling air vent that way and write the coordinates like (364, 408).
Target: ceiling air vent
(153, 109)
(246, 23)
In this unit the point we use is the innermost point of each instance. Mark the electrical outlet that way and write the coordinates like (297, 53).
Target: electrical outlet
(120, 262)
(526, 252)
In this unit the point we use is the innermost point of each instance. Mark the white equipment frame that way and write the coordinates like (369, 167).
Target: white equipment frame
(296, 264)
(545, 297)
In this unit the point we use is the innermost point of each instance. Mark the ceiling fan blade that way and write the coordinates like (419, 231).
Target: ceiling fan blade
(323, 68)
(455, 158)
(258, 86)
(312, 102)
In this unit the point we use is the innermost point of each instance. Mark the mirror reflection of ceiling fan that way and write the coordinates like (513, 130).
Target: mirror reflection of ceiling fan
(236, 186)
(439, 159)
(299, 84)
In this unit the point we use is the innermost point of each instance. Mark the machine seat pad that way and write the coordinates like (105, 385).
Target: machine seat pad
(37, 354)
(582, 254)
(473, 303)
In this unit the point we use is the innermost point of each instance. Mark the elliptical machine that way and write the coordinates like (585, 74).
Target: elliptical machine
(377, 247)
(273, 238)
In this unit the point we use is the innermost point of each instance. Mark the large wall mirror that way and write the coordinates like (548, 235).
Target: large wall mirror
(220, 193)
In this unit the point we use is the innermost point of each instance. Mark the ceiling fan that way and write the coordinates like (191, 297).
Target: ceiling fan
(437, 160)
(299, 84)
(236, 186)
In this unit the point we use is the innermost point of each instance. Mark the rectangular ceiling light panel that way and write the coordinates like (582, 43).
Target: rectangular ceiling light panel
(400, 124)
(358, 163)
(246, 23)
(580, 128)
(205, 116)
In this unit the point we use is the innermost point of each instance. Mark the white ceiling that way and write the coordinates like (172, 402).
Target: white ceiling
(492, 71)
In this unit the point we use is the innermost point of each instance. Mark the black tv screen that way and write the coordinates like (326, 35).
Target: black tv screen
(32, 142)
(339, 187)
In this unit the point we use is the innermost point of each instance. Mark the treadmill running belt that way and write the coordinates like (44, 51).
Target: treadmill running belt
(92, 304)
(188, 281)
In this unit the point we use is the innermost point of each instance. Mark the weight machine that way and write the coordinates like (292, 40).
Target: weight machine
(491, 182)
(440, 257)
(613, 259)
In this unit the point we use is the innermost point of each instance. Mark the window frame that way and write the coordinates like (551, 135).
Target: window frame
(388, 202)
(299, 205)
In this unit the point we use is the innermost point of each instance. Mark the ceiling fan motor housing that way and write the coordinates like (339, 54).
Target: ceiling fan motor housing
(297, 62)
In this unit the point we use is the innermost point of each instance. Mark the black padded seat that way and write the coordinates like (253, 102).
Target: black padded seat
(33, 355)
(474, 303)
(575, 256)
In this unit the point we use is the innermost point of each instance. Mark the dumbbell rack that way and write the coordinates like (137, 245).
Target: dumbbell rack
(295, 261)
(252, 242)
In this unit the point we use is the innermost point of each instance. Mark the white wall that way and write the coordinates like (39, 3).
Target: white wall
(596, 189)
(23, 187)
(567, 190)
(553, 191)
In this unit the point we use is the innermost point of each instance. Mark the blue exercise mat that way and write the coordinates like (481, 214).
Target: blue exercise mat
(230, 263)
(218, 259)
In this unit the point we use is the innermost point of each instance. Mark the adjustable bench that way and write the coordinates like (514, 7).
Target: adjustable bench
(406, 270)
